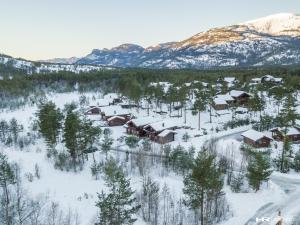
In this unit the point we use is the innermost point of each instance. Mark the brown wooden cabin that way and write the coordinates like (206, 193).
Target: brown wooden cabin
(127, 116)
(93, 110)
(154, 129)
(256, 139)
(116, 121)
(240, 97)
(165, 136)
(220, 104)
(133, 129)
(292, 134)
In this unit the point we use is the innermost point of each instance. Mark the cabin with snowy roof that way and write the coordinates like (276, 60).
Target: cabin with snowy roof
(222, 102)
(116, 110)
(165, 136)
(291, 133)
(154, 129)
(136, 126)
(93, 110)
(240, 97)
(256, 139)
(116, 121)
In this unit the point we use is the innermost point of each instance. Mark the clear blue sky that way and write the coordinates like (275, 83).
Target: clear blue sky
(42, 29)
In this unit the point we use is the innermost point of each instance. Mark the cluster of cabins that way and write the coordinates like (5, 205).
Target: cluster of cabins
(156, 130)
(222, 102)
(258, 139)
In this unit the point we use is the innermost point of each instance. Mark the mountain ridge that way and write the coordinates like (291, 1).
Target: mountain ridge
(267, 41)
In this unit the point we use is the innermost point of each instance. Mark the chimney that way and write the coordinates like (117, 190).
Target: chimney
(115, 112)
(163, 124)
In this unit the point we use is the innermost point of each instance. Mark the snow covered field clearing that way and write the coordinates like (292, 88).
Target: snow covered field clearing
(78, 191)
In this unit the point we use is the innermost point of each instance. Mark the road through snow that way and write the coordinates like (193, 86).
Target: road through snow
(289, 206)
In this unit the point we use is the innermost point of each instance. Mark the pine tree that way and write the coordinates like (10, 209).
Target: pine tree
(118, 206)
(205, 180)
(50, 122)
(106, 143)
(288, 115)
(70, 135)
(200, 104)
(287, 118)
(257, 104)
(258, 170)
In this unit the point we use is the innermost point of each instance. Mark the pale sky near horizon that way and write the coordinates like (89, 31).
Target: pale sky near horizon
(44, 29)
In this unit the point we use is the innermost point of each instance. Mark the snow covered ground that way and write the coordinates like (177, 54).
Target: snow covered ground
(78, 191)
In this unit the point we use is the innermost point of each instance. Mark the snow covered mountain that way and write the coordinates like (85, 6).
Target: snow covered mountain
(272, 40)
(31, 67)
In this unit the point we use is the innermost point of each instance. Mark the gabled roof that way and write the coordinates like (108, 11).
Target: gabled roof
(255, 135)
(162, 125)
(226, 97)
(143, 121)
(229, 79)
(220, 101)
(235, 93)
(166, 132)
(92, 107)
(114, 110)
(289, 131)
(115, 117)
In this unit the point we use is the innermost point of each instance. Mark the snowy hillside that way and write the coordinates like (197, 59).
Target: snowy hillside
(31, 67)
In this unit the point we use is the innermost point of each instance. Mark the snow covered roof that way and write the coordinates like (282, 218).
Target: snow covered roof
(165, 133)
(254, 135)
(226, 97)
(114, 110)
(115, 117)
(142, 121)
(162, 125)
(229, 79)
(272, 78)
(104, 102)
(220, 101)
(92, 107)
(289, 131)
(235, 93)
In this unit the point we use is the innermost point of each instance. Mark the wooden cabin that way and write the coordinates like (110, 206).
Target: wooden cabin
(256, 139)
(93, 110)
(136, 126)
(165, 136)
(240, 97)
(220, 104)
(154, 129)
(115, 110)
(292, 134)
(116, 121)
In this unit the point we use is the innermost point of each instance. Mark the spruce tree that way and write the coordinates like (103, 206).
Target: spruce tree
(258, 170)
(118, 206)
(204, 181)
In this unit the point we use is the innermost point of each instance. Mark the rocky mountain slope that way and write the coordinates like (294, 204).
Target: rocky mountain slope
(272, 40)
